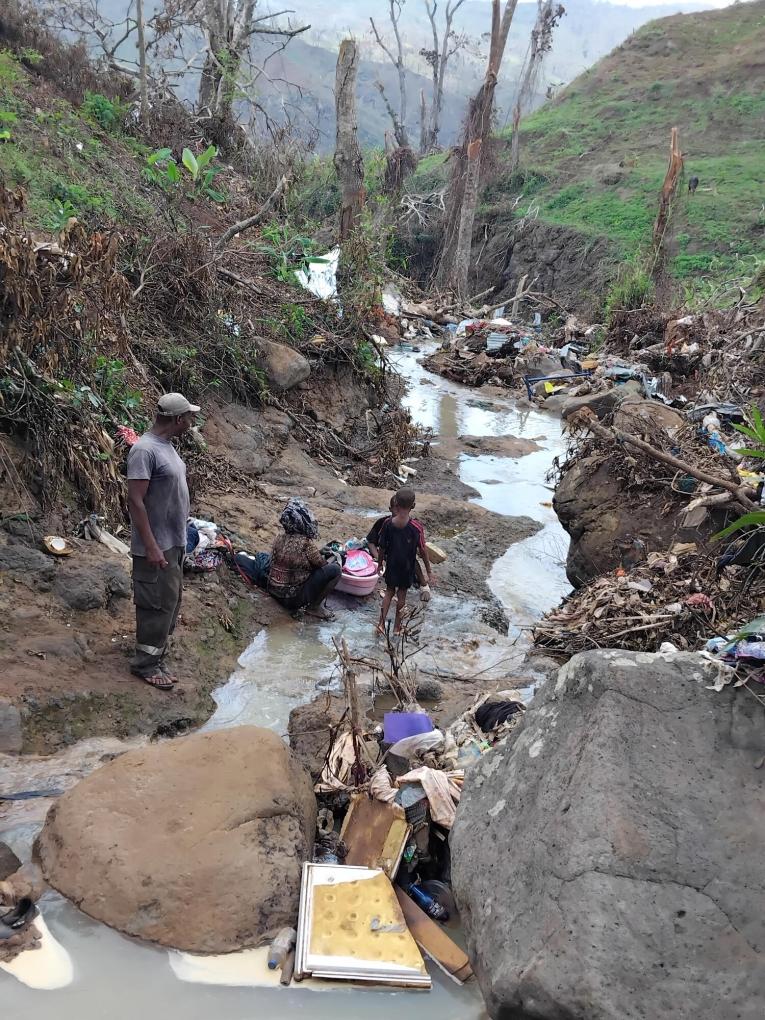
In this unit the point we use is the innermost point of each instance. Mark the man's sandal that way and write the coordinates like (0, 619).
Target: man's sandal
(161, 681)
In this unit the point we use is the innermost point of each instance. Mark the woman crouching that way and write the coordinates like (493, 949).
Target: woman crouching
(299, 576)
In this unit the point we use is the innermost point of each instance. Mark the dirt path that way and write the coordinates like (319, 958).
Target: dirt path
(66, 626)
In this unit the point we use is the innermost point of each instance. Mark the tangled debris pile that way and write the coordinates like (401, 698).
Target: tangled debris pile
(667, 427)
(680, 596)
(387, 796)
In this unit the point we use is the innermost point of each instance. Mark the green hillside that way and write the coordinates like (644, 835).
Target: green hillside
(595, 158)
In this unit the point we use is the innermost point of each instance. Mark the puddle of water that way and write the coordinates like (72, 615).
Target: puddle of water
(119, 978)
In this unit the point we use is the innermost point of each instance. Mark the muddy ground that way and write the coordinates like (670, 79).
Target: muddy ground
(66, 625)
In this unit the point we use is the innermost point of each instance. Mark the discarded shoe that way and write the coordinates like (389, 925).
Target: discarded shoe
(17, 919)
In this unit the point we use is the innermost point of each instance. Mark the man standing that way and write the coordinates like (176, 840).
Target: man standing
(158, 498)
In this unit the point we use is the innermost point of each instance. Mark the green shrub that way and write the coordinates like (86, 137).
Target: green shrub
(110, 114)
(631, 289)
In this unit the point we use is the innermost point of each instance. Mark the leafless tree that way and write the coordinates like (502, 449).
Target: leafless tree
(348, 160)
(229, 28)
(438, 58)
(398, 119)
(454, 257)
(548, 16)
(102, 31)
(143, 77)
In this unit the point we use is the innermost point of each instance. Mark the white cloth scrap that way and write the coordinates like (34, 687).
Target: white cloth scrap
(440, 788)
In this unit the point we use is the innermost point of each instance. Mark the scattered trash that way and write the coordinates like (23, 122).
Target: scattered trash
(280, 948)
(399, 725)
(57, 546)
(91, 529)
(320, 277)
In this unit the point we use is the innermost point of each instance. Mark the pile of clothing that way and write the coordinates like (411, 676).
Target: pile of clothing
(207, 548)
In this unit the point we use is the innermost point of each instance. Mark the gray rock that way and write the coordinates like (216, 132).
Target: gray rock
(607, 858)
(599, 513)
(538, 365)
(9, 862)
(634, 413)
(283, 366)
(602, 403)
(429, 689)
(116, 581)
(11, 737)
(31, 566)
(82, 590)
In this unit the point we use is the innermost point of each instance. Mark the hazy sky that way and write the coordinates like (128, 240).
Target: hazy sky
(663, 3)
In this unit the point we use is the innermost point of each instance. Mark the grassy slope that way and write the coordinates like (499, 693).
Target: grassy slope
(704, 74)
(57, 155)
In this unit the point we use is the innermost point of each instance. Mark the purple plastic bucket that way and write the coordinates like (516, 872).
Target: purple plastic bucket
(398, 725)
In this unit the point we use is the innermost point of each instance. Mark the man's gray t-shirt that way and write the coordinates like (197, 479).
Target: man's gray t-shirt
(167, 498)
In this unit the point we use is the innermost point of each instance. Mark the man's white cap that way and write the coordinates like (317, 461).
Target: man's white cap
(173, 405)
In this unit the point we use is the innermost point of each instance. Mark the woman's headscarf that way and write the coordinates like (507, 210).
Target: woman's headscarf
(297, 519)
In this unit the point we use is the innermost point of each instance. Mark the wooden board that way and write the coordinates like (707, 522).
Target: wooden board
(434, 941)
(375, 834)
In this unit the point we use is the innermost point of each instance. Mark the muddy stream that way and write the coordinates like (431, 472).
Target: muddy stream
(101, 973)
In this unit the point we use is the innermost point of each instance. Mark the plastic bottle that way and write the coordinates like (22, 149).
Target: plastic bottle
(280, 947)
(431, 907)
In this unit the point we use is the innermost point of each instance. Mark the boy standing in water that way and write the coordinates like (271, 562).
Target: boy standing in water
(400, 540)
(373, 543)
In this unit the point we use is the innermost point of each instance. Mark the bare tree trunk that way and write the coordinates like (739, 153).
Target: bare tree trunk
(549, 14)
(349, 163)
(142, 75)
(397, 59)
(423, 124)
(454, 258)
(439, 60)
(515, 145)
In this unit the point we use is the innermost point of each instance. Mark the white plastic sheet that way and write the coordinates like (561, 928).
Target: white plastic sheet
(321, 277)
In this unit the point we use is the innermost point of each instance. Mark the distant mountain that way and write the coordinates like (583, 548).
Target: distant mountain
(302, 77)
(588, 32)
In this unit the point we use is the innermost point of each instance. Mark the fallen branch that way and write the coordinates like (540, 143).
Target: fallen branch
(253, 221)
(586, 419)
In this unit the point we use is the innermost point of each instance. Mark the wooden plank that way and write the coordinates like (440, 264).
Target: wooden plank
(375, 834)
(434, 941)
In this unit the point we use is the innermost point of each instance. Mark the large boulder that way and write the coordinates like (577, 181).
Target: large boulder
(283, 366)
(602, 516)
(607, 857)
(195, 843)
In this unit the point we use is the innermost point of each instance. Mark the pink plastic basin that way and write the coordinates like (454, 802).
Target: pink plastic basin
(359, 576)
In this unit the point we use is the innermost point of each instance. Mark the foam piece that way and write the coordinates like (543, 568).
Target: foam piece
(45, 968)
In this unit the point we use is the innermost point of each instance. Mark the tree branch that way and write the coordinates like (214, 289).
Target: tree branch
(253, 221)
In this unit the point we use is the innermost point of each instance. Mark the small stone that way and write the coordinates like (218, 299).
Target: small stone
(9, 862)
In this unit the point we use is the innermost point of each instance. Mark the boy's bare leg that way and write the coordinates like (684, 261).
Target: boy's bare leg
(387, 599)
(400, 603)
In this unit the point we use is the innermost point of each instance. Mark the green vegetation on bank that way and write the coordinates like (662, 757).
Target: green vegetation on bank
(594, 158)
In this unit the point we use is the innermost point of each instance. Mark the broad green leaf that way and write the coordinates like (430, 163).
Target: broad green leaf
(216, 196)
(746, 431)
(159, 156)
(752, 453)
(173, 173)
(210, 153)
(190, 162)
(758, 424)
(756, 517)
